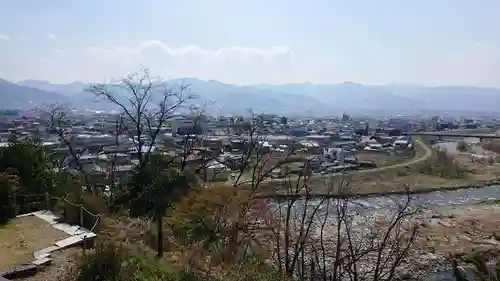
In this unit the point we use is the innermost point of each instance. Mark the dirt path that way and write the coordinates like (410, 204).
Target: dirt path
(427, 155)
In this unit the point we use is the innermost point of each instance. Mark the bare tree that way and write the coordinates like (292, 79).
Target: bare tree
(333, 237)
(239, 219)
(112, 179)
(56, 118)
(337, 238)
(147, 104)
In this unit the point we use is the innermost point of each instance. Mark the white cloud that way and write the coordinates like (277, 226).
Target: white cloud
(4, 37)
(482, 45)
(231, 64)
(51, 36)
(191, 50)
(248, 65)
(235, 64)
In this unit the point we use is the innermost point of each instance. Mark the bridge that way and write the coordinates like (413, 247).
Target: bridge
(441, 134)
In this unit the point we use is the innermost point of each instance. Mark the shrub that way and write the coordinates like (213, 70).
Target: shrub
(481, 270)
(106, 262)
(443, 164)
(112, 261)
(462, 146)
(71, 212)
(492, 146)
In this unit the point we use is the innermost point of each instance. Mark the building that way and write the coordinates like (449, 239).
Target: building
(186, 126)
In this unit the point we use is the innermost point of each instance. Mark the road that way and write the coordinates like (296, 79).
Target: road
(476, 133)
(427, 155)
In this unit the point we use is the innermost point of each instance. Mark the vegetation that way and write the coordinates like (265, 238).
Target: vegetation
(462, 146)
(8, 188)
(481, 270)
(205, 231)
(492, 145)
(443, 164)
(26, 159)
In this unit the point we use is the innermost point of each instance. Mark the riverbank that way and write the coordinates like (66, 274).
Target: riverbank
(381, 193)
(398, 179)
(422, 154)
(459, 230)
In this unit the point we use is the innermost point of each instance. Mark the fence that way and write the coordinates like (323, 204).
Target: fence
(45, 200)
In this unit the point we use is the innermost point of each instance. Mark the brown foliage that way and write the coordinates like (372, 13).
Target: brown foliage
(462, 146)
(220, 223)
(443, 164)
(492, 146)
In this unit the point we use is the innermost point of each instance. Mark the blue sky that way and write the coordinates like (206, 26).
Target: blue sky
(426, 42)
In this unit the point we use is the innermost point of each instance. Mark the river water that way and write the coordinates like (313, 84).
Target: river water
(434, 200)
(438, 199)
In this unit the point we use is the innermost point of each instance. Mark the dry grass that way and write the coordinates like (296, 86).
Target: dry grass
(381, 159)
(397, 177)
(475, 173)
(23, 236)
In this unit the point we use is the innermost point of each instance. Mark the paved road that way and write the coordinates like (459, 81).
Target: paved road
(427, 155)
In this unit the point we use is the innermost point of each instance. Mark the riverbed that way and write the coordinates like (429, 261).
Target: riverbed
(432, 204)
(438, 199)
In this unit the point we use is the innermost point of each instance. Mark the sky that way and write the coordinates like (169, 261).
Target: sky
(424, 42)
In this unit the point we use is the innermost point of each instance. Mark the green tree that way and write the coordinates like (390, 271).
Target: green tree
(161, 184)
(27, 160)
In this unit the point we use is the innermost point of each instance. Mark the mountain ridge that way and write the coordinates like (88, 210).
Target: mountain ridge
(13, 96)
(306, 97)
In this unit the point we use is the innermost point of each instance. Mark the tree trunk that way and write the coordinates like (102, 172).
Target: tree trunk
(159, 226)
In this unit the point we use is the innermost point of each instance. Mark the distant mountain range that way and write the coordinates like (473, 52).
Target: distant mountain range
(304, 98)
(13, 96)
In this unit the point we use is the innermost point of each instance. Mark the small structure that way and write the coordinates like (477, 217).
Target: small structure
(216, 171)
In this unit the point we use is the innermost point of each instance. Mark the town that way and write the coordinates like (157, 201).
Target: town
(249, 141)
(320, 146)
(267, 154)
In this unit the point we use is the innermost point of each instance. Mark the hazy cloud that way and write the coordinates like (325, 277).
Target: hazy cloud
(191, 50)
(247, 65)
(4, 37)
(51, 36)
(238, 64)
(59, 52)
(482, 45)
(232, 64)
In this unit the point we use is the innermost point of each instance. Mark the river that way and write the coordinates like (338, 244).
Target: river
(439, 199)
(435, 200)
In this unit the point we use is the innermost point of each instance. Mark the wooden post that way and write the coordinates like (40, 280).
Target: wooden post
(81, 225)
(16, 208)
(81, 215)
(47, 201)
